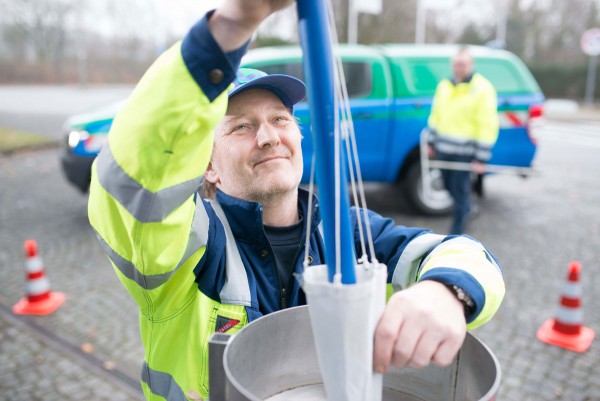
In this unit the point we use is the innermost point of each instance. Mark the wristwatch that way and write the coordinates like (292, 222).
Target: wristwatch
(464, 298)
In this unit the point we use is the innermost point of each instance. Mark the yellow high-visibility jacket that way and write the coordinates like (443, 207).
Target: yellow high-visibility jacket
(464, 118)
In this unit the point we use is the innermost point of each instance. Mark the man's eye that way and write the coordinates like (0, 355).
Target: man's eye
(240, 127)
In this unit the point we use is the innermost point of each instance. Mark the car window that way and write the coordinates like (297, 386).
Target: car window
(358, 75)
(502, 75)
(425, 74)
(293, 69)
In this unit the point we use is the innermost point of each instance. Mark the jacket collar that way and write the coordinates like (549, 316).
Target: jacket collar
(245, 218)
(466, 81)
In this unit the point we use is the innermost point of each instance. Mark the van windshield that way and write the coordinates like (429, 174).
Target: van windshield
(421, 76)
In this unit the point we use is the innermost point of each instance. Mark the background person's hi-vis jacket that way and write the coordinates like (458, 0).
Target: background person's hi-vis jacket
(464, 118)
(194, 266)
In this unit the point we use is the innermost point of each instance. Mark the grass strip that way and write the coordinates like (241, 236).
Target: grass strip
(12, 140)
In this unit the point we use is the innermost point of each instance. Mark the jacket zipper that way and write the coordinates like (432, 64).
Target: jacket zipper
(283, 300)
(282, 290)
(282, 293)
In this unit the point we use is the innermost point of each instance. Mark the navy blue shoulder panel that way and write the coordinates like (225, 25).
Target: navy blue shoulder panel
(389, 239)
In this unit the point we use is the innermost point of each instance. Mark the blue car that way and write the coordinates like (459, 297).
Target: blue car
(85, 134)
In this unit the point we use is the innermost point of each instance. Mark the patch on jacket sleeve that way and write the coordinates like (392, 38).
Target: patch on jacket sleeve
(224, 324)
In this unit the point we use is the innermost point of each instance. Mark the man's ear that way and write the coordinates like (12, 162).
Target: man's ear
(210, 174)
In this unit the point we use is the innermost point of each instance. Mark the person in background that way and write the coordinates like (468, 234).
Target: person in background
(197, 263)
(463, 127)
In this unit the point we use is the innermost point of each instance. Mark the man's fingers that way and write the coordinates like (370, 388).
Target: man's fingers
(447, 351)
(234, 22)
(405, 347)
(421, 325)
(281, 4)
(385, 339)
(425, 350)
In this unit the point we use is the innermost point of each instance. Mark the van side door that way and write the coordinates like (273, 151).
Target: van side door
(369, 89)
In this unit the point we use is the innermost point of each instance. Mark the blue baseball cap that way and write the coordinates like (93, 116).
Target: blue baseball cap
(289, 89)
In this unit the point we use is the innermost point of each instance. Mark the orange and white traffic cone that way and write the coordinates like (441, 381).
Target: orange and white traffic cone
(40, 300)
(566, 330)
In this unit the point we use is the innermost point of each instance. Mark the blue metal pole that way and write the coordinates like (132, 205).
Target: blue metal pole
(315, 38)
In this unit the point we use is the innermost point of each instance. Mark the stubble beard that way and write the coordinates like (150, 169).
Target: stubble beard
(266, 191)
(270, 187)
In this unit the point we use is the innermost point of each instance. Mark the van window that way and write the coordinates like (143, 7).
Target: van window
(359, 76)
(293, 69)
(503, 75)
(425, 74)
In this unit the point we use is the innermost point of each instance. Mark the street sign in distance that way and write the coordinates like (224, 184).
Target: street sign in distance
(590, 42)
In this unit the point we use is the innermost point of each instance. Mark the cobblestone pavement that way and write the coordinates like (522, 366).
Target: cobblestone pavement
(98, 315)
(90, 347)
(32, 370)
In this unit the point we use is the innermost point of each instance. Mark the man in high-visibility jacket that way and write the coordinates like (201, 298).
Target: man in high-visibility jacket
(196, 265)
(463, 127)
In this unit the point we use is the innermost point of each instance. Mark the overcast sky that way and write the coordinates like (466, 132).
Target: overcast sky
(181, 14)
(175, 17)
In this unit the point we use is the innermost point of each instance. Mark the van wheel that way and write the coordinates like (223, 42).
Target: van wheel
(436, 201)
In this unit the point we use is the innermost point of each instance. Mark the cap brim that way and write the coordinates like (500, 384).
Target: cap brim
(289, 89)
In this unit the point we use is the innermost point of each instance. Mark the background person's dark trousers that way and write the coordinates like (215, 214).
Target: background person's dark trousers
(458, 183)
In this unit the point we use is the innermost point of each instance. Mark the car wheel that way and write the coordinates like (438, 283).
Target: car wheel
(436, 200)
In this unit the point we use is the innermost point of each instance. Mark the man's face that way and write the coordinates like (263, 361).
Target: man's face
(462, 66)
(257, 153)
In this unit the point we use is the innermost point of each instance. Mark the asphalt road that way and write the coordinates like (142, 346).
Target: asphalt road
(44, 109)
(90, 348)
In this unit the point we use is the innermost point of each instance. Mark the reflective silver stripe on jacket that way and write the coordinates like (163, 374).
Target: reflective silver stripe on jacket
(407, 268)
(236, 290)
(197, 238)
(144, 205)
(454, 148)
(162, 384)
(483, 154)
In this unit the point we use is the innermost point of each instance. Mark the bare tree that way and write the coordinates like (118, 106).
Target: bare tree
(549, 32)
(54, 39)
(38, 28)
(395, 25)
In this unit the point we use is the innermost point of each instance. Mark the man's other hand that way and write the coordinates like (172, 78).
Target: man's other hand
(234, 22)
(421, 325)
(478, 167)
(430, 152)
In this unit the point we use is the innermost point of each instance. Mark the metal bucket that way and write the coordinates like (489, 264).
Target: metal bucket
(274, 359)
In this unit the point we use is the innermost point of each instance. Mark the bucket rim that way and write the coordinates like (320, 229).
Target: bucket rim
(496, 385)
(493, 390)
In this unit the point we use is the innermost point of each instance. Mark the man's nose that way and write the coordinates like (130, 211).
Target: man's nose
(267, 136)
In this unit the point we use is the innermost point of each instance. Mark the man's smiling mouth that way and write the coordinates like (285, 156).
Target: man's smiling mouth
(270, 159)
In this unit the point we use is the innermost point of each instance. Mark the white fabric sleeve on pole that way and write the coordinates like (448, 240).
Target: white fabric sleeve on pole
(343, 319)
